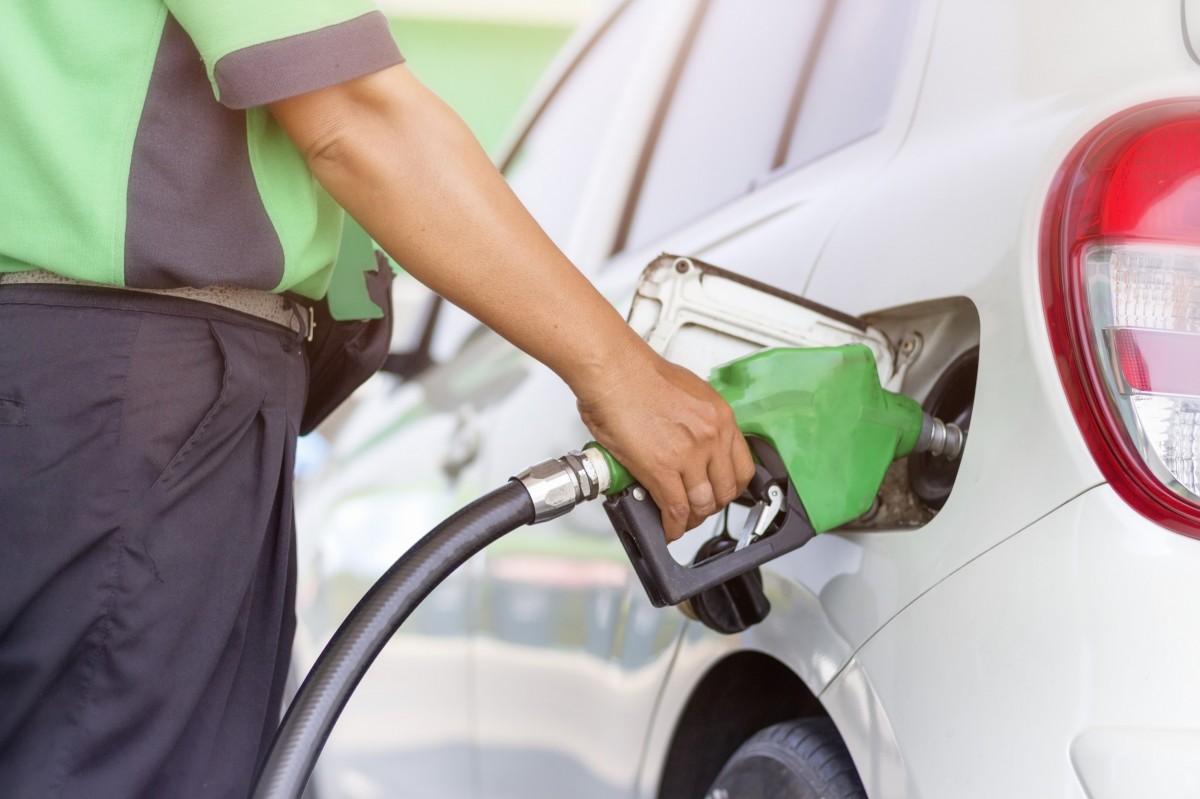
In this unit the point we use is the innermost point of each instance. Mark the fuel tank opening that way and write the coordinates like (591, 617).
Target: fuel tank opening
(951, 399)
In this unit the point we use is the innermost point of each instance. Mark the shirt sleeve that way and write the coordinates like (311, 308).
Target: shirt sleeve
(260, 51)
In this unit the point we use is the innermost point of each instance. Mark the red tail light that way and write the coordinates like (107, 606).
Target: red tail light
(1121, 288)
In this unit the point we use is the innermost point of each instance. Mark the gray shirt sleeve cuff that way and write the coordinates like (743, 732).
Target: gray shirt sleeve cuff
(276, 70)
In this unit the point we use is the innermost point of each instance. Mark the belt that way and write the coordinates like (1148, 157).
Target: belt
(263, 304)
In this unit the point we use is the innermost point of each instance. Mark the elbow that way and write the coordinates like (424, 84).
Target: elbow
(340, 124)
(343, 156)
(331, 147)
(326, 127)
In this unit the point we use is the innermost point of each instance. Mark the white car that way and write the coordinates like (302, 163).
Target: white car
(1010, 192)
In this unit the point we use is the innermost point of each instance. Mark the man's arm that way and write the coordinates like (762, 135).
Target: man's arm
(410, 172)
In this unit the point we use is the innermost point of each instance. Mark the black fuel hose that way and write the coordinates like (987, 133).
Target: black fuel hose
(370, 626)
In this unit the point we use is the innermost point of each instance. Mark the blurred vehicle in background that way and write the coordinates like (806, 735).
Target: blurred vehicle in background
(1008, 190)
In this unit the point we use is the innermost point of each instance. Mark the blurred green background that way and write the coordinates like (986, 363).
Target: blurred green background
(485, 69)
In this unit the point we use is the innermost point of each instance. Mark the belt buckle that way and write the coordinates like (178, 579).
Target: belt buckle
(312, 323)
(305, 318)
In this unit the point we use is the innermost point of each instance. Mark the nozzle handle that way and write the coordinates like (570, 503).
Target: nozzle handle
(638, 523)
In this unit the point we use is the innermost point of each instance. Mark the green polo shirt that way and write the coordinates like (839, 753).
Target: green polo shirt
(135, 149)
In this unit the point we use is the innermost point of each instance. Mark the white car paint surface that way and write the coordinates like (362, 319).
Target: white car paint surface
(1037, 637)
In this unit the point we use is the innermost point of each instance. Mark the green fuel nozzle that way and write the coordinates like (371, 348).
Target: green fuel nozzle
(823, 432)
(835, 428)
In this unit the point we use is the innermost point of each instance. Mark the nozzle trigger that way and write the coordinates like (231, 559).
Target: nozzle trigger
(761, 517)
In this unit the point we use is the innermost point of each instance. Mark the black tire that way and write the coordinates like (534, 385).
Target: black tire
(803, 759)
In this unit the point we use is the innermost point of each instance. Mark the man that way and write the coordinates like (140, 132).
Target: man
(167, 169)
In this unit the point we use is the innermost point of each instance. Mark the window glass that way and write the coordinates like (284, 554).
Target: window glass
(552, 165)
(723, 125)
(855, 74)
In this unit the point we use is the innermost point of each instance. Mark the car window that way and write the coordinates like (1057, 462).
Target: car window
(551, 162)
(551, 165)
(723, 125)
(853, 78)
(768, 86)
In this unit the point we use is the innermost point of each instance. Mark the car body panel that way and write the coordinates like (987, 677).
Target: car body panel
(1005, 631)
(1034, 652)
(1021, 415)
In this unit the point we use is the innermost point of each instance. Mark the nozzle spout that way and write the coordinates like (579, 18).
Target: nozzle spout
(940, 439)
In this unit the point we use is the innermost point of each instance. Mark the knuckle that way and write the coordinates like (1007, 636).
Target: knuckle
(662, 463)
(717, 420)
(744, 463)
(707, 424)
(727, 495)
(725, 414)
(702, 499)
(678, 510)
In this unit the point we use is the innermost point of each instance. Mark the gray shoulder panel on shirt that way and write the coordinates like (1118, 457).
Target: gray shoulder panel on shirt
(194, 213)
(264, 73)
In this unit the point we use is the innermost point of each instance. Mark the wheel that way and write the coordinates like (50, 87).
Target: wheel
(803, 759)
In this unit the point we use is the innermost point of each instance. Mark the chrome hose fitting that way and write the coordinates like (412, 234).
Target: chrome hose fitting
(940, 439)
(556, 486)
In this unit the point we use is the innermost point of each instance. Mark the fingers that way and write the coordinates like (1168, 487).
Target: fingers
(708, 491)
(729, 471)
(683, 500)
(725, 483)
(743, 463)
(702, 501)
(672, 500)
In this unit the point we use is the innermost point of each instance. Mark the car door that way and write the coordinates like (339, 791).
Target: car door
(569, 654)
(401, 464)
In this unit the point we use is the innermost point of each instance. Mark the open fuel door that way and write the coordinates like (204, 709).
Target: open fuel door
(699, 316)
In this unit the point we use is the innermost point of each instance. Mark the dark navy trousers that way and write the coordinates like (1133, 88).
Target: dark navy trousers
(147, 562)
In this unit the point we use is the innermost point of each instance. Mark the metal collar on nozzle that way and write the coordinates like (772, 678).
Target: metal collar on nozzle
(556, 486)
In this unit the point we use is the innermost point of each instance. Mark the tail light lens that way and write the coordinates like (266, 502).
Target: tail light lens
(1121, 287)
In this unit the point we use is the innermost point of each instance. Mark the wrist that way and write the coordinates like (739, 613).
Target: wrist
(613, 359)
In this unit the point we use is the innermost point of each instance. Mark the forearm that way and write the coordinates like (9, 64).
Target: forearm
(410, 172)
(405, 166)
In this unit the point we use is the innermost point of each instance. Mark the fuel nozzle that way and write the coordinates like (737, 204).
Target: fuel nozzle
(823, 432)
(835, 428)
